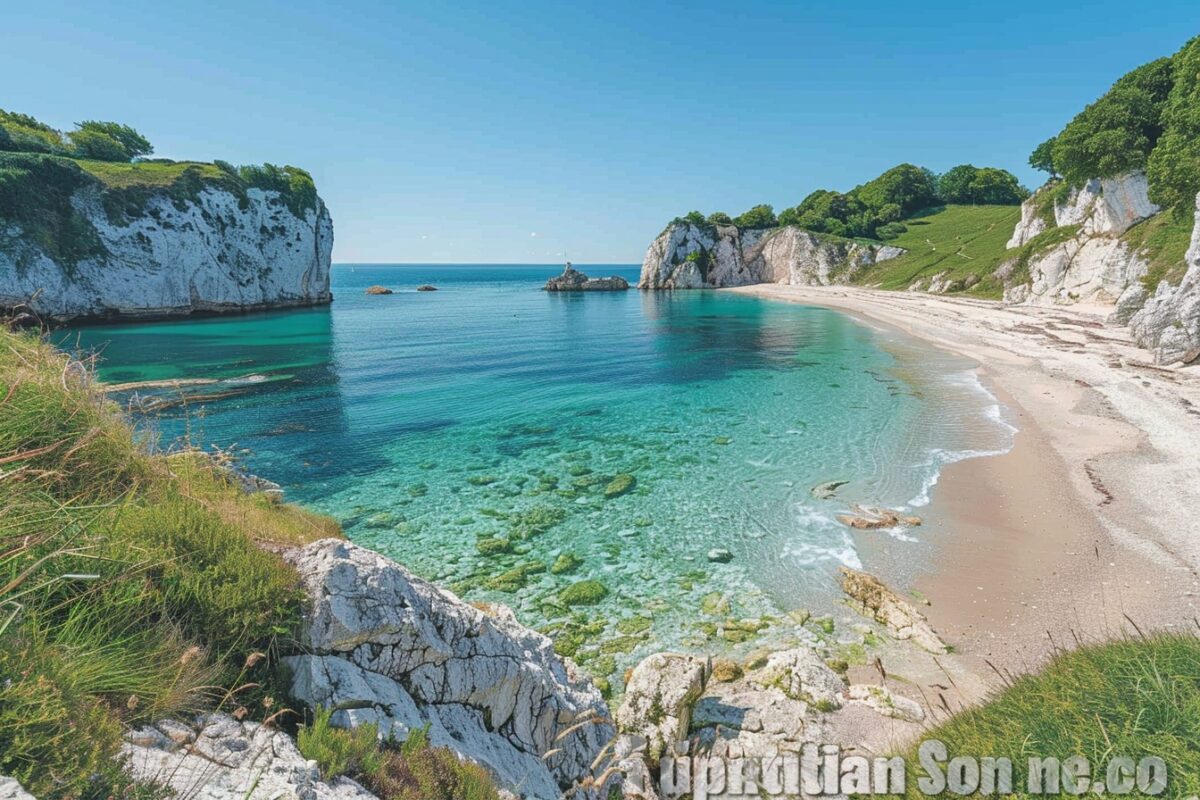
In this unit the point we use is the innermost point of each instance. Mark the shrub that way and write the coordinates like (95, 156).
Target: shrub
(719, 218)
(1116, 133)
(761, 216)
(421, 772)
(1174, 165)
(338, 751)
(967, 184)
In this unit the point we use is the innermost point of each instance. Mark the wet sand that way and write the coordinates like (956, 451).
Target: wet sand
(1088, 526)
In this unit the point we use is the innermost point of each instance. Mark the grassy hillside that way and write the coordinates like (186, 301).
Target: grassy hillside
(1133, 698)
(136, 586)
(966, 242)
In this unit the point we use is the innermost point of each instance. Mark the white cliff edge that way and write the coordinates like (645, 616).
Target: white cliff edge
(211, 254)
(689, 256)
(1168, 323)
(1094, 265)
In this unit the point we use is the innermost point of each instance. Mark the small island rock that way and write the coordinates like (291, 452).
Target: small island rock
(378, 290)
(572, 280)
(427, 287)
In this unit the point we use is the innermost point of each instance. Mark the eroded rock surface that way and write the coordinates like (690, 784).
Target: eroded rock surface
(689, 256)
(10, 789)
(214, 253)
(572, 280)
(215, 757)
(392, 649)
(659, 697)
(1168, 322)
(873, 599)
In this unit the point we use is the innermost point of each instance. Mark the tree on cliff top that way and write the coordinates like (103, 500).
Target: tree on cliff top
(761, 216)
(92, 139)
(1116, 133)
(1174, 165)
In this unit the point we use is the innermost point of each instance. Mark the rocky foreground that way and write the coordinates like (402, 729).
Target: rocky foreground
(388, 648)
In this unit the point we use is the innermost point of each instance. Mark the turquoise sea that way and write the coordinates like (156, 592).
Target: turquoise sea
(427, 421)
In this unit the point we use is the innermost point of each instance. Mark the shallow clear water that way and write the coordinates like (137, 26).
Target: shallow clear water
(425, 421)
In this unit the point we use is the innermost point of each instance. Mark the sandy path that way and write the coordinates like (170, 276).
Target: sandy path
(1095, 514)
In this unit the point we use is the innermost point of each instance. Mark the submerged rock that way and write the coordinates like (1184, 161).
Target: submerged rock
(827, 490)
(719, 555)
(389, 648)
(427, 287)
(572, 280)
(872, 598)
(868, 518)
(379, 290)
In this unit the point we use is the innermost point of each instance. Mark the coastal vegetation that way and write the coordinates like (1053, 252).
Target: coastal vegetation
(1149, 120)
(41, 169)
(1131, 698)
(880, 208)
(134, 586)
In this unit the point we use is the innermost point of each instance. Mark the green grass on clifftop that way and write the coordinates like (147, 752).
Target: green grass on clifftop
(965, 242)
(1132, 698)
(1163, 241)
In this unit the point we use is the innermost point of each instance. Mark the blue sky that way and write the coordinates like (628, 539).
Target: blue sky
(455, 132)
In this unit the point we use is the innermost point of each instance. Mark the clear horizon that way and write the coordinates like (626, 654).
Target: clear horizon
(485, 135)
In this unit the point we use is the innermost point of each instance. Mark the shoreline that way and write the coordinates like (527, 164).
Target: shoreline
(1082, 527)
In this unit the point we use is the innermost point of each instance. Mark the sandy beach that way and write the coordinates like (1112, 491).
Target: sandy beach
(1087, 527)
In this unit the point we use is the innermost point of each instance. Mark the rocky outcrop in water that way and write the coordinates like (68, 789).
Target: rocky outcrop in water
(691, 256)
(213, 252)
(1168, 322)
(1091, 262)
(390, 649)
(572, 280)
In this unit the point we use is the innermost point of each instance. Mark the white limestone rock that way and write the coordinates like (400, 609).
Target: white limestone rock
(873, 599)
(1107, 206)
(223, 759)
(179, 257)
(1031, 224)
(659, 697)
(801, 673)
(689, 256)
(885, 702)
(10, 789)
(397, 651)
(1169, 322)
(1093, 266)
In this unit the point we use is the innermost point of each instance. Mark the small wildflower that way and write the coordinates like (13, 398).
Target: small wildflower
(253, 659)
(132, 702)
(268, 702)
(189, 655)
(240, 713)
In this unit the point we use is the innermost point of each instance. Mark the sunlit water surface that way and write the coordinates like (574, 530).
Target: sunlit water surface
(425, 421)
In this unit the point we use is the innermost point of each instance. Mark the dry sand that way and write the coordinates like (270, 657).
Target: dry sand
(1091, 521)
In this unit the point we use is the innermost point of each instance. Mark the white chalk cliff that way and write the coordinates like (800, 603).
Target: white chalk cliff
(1168, 322)
(213, 253)
(689, 256)
(1095, 264)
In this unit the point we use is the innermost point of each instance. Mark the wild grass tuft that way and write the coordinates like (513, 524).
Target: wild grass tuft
(133, 586)
(1135, 697)
(412, 770)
